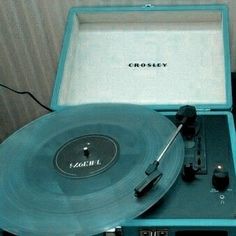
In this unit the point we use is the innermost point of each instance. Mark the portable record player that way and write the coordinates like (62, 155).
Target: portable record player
(98, 162)
(162, 57)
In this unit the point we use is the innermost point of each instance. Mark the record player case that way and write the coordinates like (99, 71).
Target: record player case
(160, 57)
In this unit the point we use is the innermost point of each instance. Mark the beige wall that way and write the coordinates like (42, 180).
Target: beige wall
(30, 39)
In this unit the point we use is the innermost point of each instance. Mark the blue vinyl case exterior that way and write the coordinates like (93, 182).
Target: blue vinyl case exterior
(205, 109)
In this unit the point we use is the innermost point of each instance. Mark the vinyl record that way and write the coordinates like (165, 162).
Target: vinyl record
(74, 171)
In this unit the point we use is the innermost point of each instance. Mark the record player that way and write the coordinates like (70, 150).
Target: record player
(129, 81)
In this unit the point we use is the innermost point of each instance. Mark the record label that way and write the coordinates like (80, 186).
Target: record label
(86, 156)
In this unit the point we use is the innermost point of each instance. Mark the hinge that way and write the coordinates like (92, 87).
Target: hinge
(148, 5)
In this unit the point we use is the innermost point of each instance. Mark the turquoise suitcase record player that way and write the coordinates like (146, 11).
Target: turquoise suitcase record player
(162, 57)
(141, 140)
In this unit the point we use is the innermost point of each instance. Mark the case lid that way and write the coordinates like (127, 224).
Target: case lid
(159, 56)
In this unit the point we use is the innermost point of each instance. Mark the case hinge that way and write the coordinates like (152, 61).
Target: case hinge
(148, 5)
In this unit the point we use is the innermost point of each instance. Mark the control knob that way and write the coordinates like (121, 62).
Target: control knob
(220, 178)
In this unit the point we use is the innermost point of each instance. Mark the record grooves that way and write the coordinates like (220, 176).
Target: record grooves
(112, 145)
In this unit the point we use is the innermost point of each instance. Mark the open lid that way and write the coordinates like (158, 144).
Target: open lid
(158, 56)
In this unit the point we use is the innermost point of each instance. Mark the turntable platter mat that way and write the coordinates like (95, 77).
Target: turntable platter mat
(75, 170)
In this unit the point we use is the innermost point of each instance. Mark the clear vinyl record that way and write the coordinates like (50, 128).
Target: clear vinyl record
(74, 171)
